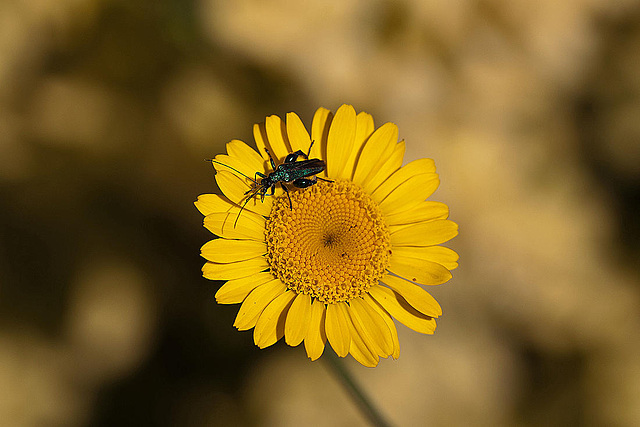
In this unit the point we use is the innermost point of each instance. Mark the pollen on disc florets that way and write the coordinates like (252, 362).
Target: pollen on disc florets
(333, 244)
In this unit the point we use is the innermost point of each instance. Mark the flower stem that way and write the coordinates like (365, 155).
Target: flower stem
(361, 400)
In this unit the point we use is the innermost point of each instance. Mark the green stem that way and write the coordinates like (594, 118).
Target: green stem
(359, 397)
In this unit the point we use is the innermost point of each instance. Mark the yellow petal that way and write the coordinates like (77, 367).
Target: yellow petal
(410, 193)
(234, 188)
(248, 226)
(234, 270)
(320, 133)
(235, 291)
(389, 321)
(425, 233)
(271, 323)
(419, 299)
(276, 132)
(439, 254)
(364, 129)
(227, 250)
(298, 320)
(298, 136)
(238, 167)
(418, 270)
(337, 328)
(371, 326)
(316, 336)
(242, 151)
(211, 203)
(256, 301)
(416, 167)
(424, 211)
(375, 152)
(362, 351)
(385, 170)
(399, 308)
(340, 141)
(278, 148)
(260, 136)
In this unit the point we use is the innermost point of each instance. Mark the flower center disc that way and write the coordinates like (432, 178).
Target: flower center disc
(333, 244)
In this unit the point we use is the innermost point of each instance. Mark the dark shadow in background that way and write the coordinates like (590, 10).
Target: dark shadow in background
(612, 92)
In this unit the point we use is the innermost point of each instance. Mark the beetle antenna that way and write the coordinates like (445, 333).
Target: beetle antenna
(234, 169)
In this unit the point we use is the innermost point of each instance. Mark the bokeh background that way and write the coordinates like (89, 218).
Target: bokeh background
(108, 108)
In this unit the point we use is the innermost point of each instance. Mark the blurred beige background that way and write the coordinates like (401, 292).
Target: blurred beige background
(108, 108)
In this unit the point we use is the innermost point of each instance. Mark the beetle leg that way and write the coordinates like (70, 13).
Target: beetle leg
(286, 190)
(309, 152)
(303, 182)
(323, 179)
(265, 189)
(292, 157)
(273, 164)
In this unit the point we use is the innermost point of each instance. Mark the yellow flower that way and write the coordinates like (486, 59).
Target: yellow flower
(349, 254)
